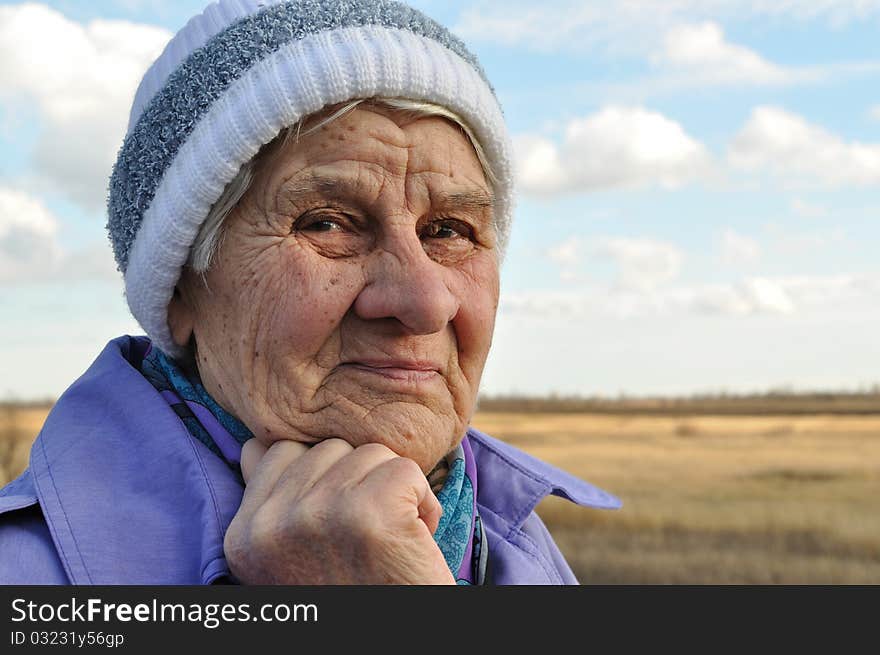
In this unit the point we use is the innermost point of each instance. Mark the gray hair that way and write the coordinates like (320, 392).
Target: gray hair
(211, 233)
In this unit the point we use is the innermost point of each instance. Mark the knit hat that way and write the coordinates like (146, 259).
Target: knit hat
(238, 73)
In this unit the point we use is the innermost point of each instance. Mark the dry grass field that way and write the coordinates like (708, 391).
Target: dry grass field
(713, 499)
(708, 498)
(19, 424)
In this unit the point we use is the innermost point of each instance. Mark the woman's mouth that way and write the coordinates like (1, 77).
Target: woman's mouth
(404, 371)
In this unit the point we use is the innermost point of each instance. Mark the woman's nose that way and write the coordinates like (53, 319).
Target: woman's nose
(405, 284)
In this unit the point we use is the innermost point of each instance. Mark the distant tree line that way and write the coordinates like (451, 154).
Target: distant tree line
(771, 402)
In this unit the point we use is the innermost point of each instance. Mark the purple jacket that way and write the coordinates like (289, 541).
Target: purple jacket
(118, 492)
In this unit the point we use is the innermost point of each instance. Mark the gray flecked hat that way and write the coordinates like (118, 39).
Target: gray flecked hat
(237, 74)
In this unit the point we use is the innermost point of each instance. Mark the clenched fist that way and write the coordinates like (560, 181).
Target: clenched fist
(334, 514)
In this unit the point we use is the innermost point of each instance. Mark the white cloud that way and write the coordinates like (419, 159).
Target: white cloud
(82, 79)
(526, 24)
(28, 236)
(787, 242)
(874, 112)
(701, 55)
(31, 251)
(566, 253)
(569, 25)
(639, 264)
(750, 296)
(616, 147)
(546, 303)
(644, 264)
(806, 209)
(569, 256)
(92, 262)
(737, 248)
(785, 145)
(819, 290)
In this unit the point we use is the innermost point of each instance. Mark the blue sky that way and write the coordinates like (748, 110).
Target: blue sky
(698, 204)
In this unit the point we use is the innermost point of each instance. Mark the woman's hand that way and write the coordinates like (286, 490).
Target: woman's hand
(334, 514)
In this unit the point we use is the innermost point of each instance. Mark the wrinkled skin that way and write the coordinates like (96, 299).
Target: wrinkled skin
(351, 304)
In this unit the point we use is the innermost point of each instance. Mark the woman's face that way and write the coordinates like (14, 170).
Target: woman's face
(355, 291)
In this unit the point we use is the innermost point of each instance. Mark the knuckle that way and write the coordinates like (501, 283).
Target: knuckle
(287, 447)
(376, 450)
(405, 468)
(334, 445)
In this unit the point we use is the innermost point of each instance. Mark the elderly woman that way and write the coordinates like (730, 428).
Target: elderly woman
(310, 208)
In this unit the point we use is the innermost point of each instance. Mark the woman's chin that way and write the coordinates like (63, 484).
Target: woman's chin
(422, 431)
(424, 440)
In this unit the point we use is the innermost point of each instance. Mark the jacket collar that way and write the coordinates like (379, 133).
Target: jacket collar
(129, 495)
(511, 483)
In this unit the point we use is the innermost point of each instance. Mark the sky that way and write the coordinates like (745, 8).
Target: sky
(698, 189)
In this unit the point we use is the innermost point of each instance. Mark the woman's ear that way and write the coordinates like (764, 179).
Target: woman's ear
(180, 318)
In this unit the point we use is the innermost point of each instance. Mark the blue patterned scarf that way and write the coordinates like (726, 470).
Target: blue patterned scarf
(460, 532)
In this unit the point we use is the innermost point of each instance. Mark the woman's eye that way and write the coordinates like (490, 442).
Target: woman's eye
(447, 230)
(323, 226)
(319, 223)
(332, 233)
(442, 232)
